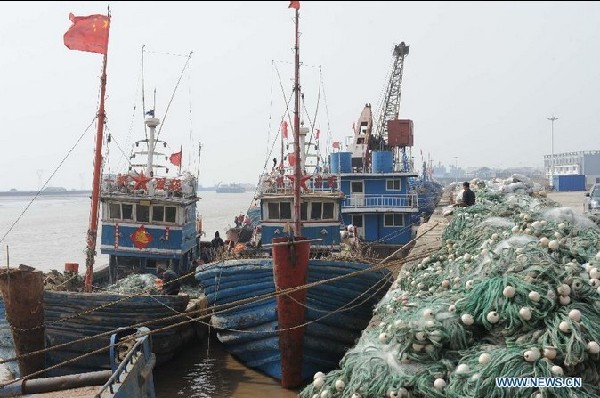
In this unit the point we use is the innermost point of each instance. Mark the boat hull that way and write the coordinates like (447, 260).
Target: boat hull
(336, 312)
(71, 316)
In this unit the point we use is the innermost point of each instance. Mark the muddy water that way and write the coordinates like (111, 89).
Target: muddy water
(206, 370)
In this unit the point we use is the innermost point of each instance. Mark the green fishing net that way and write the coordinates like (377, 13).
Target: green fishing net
(513, 292)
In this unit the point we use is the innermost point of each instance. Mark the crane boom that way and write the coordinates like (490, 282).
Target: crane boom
(391, 101)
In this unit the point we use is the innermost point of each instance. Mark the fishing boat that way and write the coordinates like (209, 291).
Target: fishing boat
(230, 188)
(385, 196)
(148, 220)
(294, 310)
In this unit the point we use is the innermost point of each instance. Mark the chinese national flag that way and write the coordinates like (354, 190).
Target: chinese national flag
(336, 145)
(294, 4)
(176, 159)
(318, 134)
(88, 33)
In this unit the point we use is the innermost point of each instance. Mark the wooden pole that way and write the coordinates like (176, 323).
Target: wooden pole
(23, 293)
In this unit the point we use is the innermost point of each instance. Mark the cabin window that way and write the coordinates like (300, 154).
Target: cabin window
(158, 213)
(304, 211)
(280, 210)
(393, 220)
(315, 210)
(357, 187)
(114, 210)
(170, 213)
(328, 211)
(285, 210)
(127, 212)
(273, 211)
(142, 213)
(393, 185)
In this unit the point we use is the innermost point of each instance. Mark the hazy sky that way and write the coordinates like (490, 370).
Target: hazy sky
(479, 83)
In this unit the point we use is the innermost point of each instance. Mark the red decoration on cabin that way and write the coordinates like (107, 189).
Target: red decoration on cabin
(88, 33)
(175, 185)
(318, 181)
(122, 180)
(160, 183)
(303, 180)
(141, 238)
(279, 181)
(140, 181)
(332, 181)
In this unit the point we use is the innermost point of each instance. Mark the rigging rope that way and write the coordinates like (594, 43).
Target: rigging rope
(48, 180)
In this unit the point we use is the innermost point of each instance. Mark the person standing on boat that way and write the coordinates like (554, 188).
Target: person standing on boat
(170, 281)
(217, 242)
(468, 196)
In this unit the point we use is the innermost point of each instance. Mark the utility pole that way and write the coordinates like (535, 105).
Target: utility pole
(456, 169)
(552, 119)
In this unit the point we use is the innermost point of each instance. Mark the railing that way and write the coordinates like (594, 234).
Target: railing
(283, 184)
(387, 201)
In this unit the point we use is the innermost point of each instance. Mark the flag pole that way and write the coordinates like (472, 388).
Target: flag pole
(93, 225)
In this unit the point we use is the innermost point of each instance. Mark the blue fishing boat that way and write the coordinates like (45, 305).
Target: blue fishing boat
(79, 323)
(295, 310)
(149, 221)
(385, 196)
(335, 313)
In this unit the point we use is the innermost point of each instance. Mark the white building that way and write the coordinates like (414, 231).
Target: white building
(582, 162)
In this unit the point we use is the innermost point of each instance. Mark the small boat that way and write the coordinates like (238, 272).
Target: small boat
(132, 361)
(230, 188)
(297, 310)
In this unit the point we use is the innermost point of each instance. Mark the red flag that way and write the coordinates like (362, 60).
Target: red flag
(318, 133)
(294, 4)
(284, 129)
(336, 144)
(176, 159)
(88, 33)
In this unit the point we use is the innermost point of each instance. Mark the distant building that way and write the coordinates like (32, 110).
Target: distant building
(582, 162)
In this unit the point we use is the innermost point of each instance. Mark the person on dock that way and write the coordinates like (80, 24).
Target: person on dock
(468, 196)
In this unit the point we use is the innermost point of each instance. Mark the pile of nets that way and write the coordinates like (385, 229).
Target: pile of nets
(136, 284)
(514, 292)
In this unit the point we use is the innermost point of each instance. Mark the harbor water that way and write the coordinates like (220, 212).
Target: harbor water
(52, 232)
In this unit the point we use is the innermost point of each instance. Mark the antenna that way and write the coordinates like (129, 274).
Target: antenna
(39, 173)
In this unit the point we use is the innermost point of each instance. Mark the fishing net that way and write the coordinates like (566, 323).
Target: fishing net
(513, 291)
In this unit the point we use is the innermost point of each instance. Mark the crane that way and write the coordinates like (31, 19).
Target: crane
(400, 135)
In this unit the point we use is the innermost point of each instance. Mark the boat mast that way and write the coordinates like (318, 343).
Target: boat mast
(297, 166)
(93, 226)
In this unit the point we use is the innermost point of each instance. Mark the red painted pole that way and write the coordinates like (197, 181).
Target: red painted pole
(290, 265)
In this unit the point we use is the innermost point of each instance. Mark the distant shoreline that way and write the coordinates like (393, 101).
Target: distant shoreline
(70, 193)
